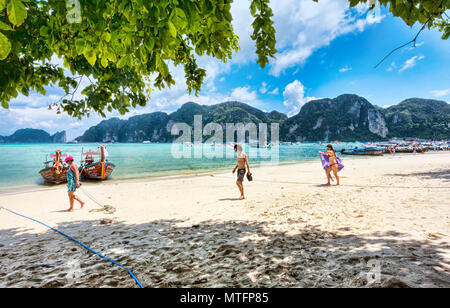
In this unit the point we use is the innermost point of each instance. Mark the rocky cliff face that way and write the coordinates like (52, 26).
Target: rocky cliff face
(29, 135)
(419, 118)
(347, 117)
(377, 123)
(59, 137)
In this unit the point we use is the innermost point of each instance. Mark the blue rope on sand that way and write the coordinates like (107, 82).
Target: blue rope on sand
(79, 243)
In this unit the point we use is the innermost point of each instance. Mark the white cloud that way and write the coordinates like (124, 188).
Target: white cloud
(34, 100)
(43, 118)
(373, 19)
(410, 63)
(305, 26)
(170, 100)
(294, 97)
(274, 91)
(440, 93)
(263, 88)
(302, 26)
(345, 69)
(417, 45)
(244, 95)
(391, 67)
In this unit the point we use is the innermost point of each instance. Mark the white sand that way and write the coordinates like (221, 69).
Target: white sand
(290, 232)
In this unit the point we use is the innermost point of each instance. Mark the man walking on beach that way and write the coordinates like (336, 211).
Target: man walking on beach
(242, 161)
(73, 182)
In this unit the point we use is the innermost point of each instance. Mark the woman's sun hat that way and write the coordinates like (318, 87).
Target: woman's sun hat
(68, 158)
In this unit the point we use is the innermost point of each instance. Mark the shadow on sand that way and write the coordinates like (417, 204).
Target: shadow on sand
(168, 253)
(441, 175)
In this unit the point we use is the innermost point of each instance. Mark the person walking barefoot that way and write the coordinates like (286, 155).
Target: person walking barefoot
(242, 162)
(331, 153)
(73, 182)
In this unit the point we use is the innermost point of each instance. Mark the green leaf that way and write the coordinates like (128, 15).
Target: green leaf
(124, 61)
(149, 44)
(5, 27)
(111, 56)
(79, 45)
(5, 47)
(104, 62)
(180, 13)
(172, 29)
(5, 105)
(43, 31)
(17, 13)
(162, 67)
(107, 36)
(90, 56)
(2, 4)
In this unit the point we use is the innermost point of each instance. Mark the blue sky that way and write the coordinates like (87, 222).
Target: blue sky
(325, 50)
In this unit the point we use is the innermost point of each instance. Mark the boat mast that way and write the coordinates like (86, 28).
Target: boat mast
(102, 151)
(103, 161)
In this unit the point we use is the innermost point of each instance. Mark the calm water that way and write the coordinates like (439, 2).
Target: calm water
(20, 164)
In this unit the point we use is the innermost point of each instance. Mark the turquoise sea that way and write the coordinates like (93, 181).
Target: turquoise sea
(20, 164)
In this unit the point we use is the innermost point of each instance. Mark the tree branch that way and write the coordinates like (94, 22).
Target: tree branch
(76, 89)
(414, 41)
(71, 94)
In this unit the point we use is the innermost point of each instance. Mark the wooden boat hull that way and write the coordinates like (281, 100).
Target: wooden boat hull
(365, 153)
(50, 175)
(94, 171)
(407, 151)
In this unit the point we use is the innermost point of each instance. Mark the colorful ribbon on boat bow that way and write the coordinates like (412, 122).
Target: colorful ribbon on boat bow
(103, 164)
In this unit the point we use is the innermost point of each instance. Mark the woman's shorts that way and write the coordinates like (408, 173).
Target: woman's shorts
(241, 175)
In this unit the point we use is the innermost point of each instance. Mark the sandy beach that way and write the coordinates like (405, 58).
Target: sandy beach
(291, 231)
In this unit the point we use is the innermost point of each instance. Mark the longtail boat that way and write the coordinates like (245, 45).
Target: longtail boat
(95, 166)
(364, 151)
(55, 172)
(409, 150)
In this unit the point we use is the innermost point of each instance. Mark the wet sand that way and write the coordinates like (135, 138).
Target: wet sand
(291, 231)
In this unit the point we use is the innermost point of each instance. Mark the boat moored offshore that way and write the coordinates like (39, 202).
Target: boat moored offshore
(371, 151)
